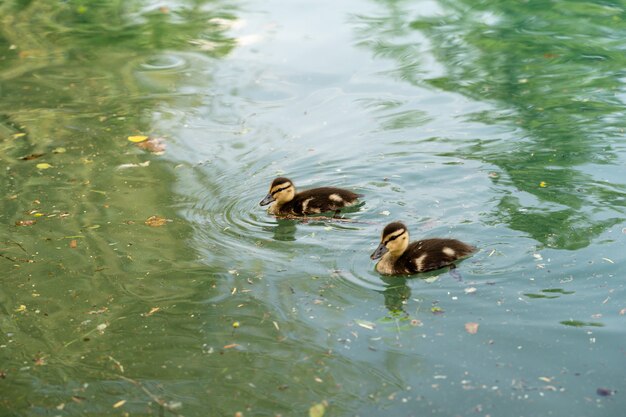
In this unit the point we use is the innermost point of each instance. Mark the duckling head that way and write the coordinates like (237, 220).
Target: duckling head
(394, 240)
(281, 191)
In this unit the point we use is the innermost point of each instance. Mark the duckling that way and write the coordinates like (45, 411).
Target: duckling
(399, 257)
(314, 201)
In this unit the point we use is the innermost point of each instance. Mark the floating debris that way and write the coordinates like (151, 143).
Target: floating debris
(137, 138)
(471, 328)
(318, 410)
(119, 404)
(138, 165)
(31, 156)
(605, 392)
(365, 324)
(25, 222)
(156, 221)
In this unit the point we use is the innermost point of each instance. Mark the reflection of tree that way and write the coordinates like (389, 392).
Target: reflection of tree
(69, 76)
(73, 77)
(554, 75)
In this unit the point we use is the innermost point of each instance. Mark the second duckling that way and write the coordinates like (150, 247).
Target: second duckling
(399, 257)
(314, 201)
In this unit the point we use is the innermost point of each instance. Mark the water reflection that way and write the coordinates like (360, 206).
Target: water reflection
(284, 230)
(76, 79)
(396, 294)
(556, 105)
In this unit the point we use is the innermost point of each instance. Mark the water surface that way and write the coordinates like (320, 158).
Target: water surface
(498, 124)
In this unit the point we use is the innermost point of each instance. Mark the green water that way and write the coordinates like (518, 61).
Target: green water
(498, 123)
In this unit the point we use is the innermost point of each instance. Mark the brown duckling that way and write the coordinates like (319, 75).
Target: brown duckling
(314, 201)
(399, 257)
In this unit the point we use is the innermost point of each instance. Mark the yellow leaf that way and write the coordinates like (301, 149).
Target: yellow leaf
(137, 138)
(119, 404)
(543, 184)
(152, 311)
(20, 309)
(317, 410)
(44, 165)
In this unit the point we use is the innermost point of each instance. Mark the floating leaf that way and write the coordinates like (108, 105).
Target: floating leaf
(44, 165)
(152, 311)
(236, 324)
(32, 156)
(317, 410)
(530, 295)
(156, 221)
(73, 243)
(20, 309)
(139, 165)
(543, 184)
(232, 345)
(119, 404)
(471, 328)
(605, 392)
(137, 138)
(558, 290)
(578, 323)
(154, 145)
(25, 222)
(59, 150)
(437, 310)
(365, 324)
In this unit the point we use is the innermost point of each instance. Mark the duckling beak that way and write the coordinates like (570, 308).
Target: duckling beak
(268, 199)
(380, 251)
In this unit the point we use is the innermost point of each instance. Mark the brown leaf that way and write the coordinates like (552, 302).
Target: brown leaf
(153, 145)
(31, 156)
(471, 328)
(25, 222)
(73, 243)
(156, 221)
(232, 345)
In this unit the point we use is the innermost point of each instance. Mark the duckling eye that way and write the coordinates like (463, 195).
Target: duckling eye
(394, 238)
(280, 189)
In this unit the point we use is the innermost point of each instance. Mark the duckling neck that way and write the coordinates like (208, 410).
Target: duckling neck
(386, 264)
(275, 208)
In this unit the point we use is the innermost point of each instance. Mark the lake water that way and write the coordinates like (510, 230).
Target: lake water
(500, 124)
